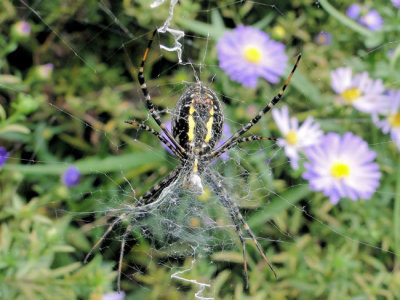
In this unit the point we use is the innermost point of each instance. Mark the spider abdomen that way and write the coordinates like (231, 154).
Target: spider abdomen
(198, 119)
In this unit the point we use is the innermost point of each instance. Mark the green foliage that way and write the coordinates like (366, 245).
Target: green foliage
(36, 261)
(75, 115)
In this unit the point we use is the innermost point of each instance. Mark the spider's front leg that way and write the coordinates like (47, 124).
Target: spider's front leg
(149, 102)
(254, 121)
(158, 135)
(233, 144)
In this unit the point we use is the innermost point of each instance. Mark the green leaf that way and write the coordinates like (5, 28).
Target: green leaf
(65, 270)
(214, 30)
(374, 40)
(217, 20)
(3, 114)
(94, 164)
(264, 22)
(14, 128)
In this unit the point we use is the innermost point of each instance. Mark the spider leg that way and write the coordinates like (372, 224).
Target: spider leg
(158, 135)
(147, 198)
(233, 144)
(149, 103)
(121, 254)
(101, 239)
(156, 189)
(239, 232)
(267, 108)
(233, 209)
(242, 242)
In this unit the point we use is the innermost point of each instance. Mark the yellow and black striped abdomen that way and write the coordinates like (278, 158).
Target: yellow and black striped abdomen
(198, 119)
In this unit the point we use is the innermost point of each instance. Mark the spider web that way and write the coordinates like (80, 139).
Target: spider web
(180, 230)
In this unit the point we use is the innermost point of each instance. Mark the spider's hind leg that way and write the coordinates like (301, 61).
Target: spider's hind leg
(237, 219)
(121, 254)
(147, 199)
(105, 234)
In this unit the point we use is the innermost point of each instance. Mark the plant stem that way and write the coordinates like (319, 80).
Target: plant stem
(344, 20)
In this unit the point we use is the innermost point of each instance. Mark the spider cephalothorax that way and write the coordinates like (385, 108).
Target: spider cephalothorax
(196, 128)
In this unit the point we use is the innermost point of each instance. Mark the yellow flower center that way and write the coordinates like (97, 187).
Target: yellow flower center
(206, 195)
(351, 94)
(394, 120)
(291, 137)
(322, 39)
(279, 31)
(340, 170)
(252, 54)
(195, 222)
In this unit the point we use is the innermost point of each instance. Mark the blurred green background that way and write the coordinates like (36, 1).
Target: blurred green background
(73, 113)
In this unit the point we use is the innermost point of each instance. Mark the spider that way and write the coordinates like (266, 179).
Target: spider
(196, 128)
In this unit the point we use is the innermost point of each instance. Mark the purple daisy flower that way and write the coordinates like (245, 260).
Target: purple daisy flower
(226, 133)
(368, 18)
(114, 296)
(296, 138)
(342, 167)
(360, 91)
(71, 176)
(396, 3)
(44, 71)
(354, 11)
(248, 53)
(3, 156)
(323, 38)
(372, 20)
(391, 121)
(22, 29)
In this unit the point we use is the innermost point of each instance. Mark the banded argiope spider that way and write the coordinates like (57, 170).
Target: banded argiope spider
(196, 128)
